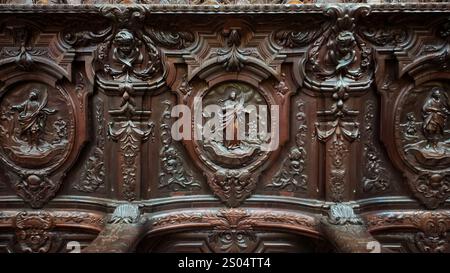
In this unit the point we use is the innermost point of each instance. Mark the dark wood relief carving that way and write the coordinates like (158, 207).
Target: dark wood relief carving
(353, 96)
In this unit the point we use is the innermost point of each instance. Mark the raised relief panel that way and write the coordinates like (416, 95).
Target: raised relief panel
(422, 137)
(42, 112)
(237, 102)
(37, 133)
(339, 66)
(234, 158)
(174, 175)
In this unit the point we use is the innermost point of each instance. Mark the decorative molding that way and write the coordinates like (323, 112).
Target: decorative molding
(432, 227)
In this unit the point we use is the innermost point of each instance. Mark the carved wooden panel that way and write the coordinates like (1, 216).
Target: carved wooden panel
(104, 111)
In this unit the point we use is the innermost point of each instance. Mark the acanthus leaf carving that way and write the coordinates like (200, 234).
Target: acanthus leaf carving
(24, 52)
(432, 237)
(233, 57)
(232, 186)
(233, 230)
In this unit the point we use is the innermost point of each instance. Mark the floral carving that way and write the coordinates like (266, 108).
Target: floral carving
(433, 235)
(173, 174)
(94, 170)
(338, 152)
(232, 186)
(23, 53)
(291, 176)
(233, 230)
(376, 177)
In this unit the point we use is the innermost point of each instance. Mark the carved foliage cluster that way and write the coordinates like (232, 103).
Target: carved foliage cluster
(377, 177)
(33, 232)
(292, 175)
(173, 174)
(94, 169)
(432, 227)
(235, 230)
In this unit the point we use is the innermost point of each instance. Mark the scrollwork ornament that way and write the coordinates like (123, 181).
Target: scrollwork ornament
(173, 174)
(33, 232)
(376, 177)
(94, 169)
(232, 186)
(291, 177)
(233, 230)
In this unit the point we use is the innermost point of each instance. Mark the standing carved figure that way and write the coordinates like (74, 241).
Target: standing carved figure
(233, 108)
(435, 112)
(32, 117)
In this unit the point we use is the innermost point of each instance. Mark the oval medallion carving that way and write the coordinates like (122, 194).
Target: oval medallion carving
(423, 140)
(239, 129)
(423, 121)
(37, 126)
